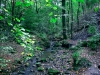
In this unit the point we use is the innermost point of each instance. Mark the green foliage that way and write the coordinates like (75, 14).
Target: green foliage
(92, 42)
(26, 3)
(39, 48)
(96, 9)
(53, 20)
(80, 62)
(1, 18)
(25, 40)
(3, 38)
(43, 59)
(75, 48)
(7, 49)
(55, 8)
(76, 57)
(92, 45)
(3, 63)
(23, 19)
(82, 1)
(92, 29)
(84, 62)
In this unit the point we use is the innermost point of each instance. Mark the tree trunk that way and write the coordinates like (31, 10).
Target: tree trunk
(13, 11)
(63, 20)
(71, 6)
(78, 14)
(68, 19)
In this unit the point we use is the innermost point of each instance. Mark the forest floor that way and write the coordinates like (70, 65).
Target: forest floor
(58, 58)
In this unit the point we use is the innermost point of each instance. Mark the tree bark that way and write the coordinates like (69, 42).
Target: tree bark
(71, 6)
(13, 11)
(78, 14)
(63, 20)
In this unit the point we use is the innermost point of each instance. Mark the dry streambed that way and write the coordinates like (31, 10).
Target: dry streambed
(59, 62)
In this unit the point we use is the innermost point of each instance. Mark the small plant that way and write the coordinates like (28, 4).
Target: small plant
(96, 9)
(92, 45)
(3, 63)
(92, 42)
(92, 29)
(24, 39)
(76, 57)
(79, 62)
(39, 48)
(74, 48)
(7, 49)
(3, 38)
(84, 62)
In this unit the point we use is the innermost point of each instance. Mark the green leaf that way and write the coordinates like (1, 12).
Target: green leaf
(18, 3)
(17, 20)
(22, 19)
(1, 18)
(53, 20)
(55, 8)
(48, 5)
(74, 1)
(47, 0)
(31, 2)
(51, 14)
(96, 9)
(82, 1)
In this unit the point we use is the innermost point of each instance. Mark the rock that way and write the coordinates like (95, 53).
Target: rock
(21, 72)
(52, 71)
(43, 60)
(74, 48)
(27, 64)
(40, 68)
(67, 72)
(38, 64)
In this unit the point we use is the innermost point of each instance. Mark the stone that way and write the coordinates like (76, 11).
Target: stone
(52, 71)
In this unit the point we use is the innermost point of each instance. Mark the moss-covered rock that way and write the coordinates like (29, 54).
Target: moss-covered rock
(38, 64)
(26, 64)
(52, 71)
(41, 69)
(43, 60)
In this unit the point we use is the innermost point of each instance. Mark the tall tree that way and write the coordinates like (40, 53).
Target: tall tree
(63, 20)
(72, 20)
(78, 14)
(13, 10)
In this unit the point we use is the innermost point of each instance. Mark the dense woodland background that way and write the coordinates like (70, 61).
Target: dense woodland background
(32, 28)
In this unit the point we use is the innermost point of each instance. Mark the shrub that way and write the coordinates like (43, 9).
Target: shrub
(92, 29)
(76, 57)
